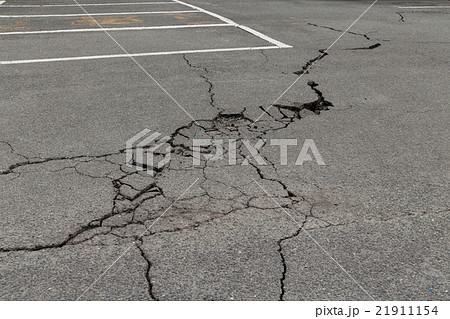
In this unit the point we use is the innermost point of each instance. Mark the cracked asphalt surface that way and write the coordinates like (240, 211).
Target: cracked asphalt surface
(372, 223)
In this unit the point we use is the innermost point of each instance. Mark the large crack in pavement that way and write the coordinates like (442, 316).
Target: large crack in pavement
(129, 198)
(140, 199)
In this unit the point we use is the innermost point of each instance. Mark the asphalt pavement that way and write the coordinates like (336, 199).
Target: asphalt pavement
(363, 215)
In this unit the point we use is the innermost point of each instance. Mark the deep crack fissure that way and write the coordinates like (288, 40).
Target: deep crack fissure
(306, 67)
(371, 47)
(147, 270)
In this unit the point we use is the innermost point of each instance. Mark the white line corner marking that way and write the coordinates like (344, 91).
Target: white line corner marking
(279, 44)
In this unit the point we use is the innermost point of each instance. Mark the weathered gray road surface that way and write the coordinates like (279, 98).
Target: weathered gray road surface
(372, 223)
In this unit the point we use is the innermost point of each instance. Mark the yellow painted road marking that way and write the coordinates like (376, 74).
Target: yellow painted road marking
(112, 20)
(194, 17)
(16, 25)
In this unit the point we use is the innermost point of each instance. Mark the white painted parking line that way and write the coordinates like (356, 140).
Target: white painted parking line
(112, 56)
(207, 12)
(92, 14)
(426, 7)
(183, 26)
(264, 37)
(227, 22)
(85, 4)
(247, 29)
